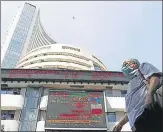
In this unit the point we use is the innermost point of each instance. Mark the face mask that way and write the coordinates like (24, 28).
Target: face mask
(127, 70)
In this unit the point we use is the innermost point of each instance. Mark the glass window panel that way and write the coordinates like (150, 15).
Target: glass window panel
(112, 117)
(42, 115)
(28, 126)
(11, 112)
(3, 92)
(7, 114)
(97, 68)
(29, 114)
(16, 91)
(10, 92)
(3, 111)
(45, 92)
(109, 93)
(31, 102)
(123, 93)
(9, 117)
(33, 92)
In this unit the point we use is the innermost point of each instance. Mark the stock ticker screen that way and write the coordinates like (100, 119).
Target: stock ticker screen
(70, 109)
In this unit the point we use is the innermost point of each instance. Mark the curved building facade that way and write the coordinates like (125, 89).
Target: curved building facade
(39, 37)
(60, 56)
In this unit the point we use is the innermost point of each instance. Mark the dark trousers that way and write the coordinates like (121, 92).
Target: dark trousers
(151, 120)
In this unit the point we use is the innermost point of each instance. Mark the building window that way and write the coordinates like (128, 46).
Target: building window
(15, 91)
(42, 115)
(29, 114)
(96, 67)
(32, 92)
(45, 92)
(31, 102)
(111, 117)
(28, 126)
(123, 93)
(7, 114)
(109, 93)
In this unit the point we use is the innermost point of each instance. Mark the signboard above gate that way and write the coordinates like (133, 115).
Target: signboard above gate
(63, 74)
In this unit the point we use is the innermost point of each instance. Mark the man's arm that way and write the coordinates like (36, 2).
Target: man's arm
(152, 74)
(152, 87)
(124, 120)
(153, 83)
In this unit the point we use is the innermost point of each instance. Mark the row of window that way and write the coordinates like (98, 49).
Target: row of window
(58, 67)
(109, 93)
(35, 41)
(15, 91)
(7, 114)
(56, 53)
(20, 33)
(33, 33)
(46, 36)
(40, 38)
(10, 59)
(20, 27)
(15, 46)
(57, 60)
(28, 11)
(24, 23)
(38, 49)
(25, 19)
(17, 37)
(30, 92)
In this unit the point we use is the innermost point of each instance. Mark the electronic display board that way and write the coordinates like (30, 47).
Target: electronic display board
(75, 109)
(63, 75)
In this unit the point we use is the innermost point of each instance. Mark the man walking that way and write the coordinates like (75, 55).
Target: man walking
(143, 112)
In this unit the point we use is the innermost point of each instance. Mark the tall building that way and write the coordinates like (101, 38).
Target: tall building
(25, 34)
(72, 100)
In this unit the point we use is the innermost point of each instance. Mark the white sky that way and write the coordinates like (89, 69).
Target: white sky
(113, 31)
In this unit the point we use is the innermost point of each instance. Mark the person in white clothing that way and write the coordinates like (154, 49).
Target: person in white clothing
(143, 112)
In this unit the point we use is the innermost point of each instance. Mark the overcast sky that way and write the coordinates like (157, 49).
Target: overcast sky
(113, 31)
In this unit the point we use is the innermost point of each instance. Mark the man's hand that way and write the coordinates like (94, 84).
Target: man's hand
(149, 98)
(117, 128)
(151, 88)
(122, 122)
